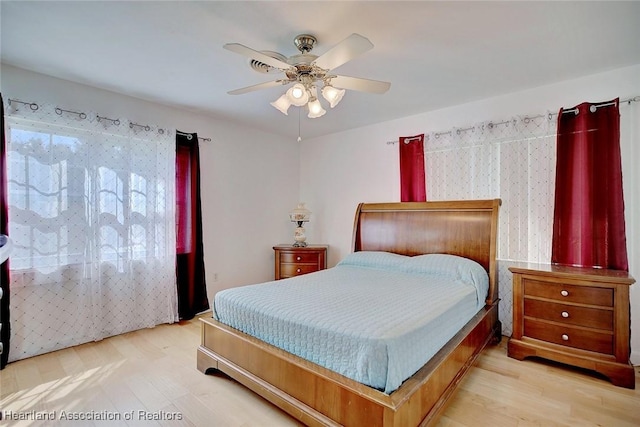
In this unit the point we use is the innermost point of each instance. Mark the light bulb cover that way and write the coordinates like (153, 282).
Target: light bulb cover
(315, 109)
(282, 104)
(297, 95)
(332, 95)
(297, 92)
(300, 213)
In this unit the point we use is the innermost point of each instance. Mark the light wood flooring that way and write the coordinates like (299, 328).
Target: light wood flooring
(149, 378)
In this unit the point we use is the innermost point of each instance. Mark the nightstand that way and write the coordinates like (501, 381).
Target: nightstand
(293, 261)
(577, 316)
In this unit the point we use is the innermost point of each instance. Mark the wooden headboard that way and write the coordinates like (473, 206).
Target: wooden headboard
(467, 228)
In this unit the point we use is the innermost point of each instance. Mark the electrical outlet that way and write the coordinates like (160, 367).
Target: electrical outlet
(215, 277)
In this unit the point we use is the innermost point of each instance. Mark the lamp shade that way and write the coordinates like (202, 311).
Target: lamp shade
(315, 109)
(297, 95)
(332, 95)
(282, 104)
(300, 214)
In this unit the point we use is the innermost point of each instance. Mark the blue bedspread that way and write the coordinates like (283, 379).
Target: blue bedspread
(376, 317)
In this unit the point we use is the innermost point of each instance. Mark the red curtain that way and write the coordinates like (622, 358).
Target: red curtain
(588, 223)
(5, 332)
(412, 178)
(190, 274)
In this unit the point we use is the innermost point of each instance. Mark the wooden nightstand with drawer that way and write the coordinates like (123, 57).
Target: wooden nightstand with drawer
(293, 261)
(578, 316)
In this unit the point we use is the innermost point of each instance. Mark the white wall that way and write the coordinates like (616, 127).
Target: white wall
(248, 181)
(340, 170)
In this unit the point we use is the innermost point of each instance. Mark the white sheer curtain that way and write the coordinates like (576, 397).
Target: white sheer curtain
(514, 160)
(92, 217)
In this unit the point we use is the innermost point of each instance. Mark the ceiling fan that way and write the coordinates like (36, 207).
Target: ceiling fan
(307, 71)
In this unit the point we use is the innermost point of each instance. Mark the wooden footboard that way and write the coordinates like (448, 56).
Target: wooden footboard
(317, 396)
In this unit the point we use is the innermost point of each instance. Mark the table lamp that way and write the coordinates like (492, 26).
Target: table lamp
(300, 215)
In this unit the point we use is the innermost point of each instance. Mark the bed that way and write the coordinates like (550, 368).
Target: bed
(317, 395)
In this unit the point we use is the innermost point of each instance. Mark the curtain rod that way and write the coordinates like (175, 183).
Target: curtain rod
(188, 134)
(80, 114)
(34, 107)
(527, 119)
(594, 107)
(406, 140)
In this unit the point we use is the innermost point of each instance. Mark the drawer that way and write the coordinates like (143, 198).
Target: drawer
(292, 261)
(299, 257)
(569, 293)
(290, 270)
(569, 314)
(591, 340)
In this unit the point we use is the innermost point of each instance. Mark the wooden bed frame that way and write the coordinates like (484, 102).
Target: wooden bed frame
(317, 396)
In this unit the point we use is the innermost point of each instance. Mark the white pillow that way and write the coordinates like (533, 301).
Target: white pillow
(375, 259)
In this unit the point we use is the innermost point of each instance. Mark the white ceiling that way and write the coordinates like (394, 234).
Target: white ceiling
(435, 54)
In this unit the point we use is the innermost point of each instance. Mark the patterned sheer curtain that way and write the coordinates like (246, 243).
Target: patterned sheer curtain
(92, 217)
(514, 160)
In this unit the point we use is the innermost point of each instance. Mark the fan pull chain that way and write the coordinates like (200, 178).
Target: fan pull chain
(299, 137)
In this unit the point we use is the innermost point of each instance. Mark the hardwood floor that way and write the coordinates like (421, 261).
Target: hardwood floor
(149, 378)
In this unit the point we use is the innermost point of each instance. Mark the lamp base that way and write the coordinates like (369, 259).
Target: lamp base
(299, 236)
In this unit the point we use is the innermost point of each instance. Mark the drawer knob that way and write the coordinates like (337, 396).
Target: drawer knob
(298, 258)
(565, 337)
(565, 314)
(299, 270)
(564, 293)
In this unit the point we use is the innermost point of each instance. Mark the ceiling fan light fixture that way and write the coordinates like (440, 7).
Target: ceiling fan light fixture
(297, 95)
(306, 72)
(332, 95)
(282, 104)
(315, 109)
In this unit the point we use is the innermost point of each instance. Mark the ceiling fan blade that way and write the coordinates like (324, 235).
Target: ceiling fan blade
(344, 51)
(258, 56)
(259, 86)
(362, 85)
